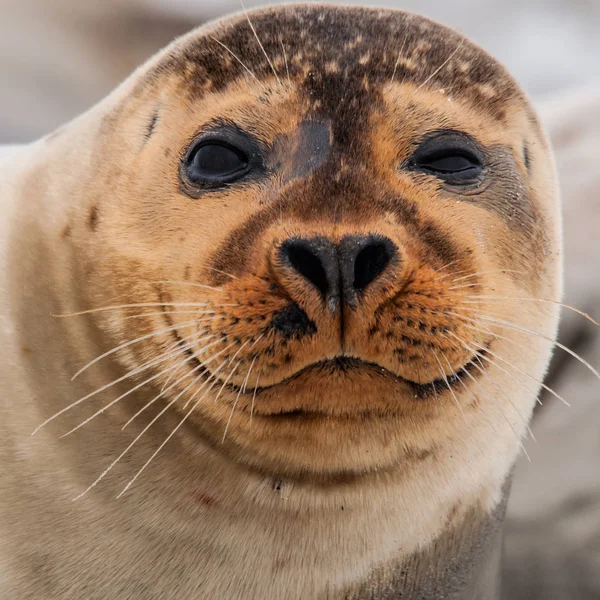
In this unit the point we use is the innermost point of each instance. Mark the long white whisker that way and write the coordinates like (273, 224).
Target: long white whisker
(106, 471)
(192, 283)
(166, 440)
(497, 387)
(540, 335)
(239, 60)
(476, 298)
(135, 305)
(259, 43)
(237, 399)
(132, 342)
(449, 386)
(458, 47)
(136, 371)
(478, 273)
(165, 389)
(172, 312)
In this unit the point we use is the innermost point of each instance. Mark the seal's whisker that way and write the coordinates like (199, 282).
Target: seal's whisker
(474, 298)
(452, 55)
(134, 341)
(445, 378)
(172, 312)
(239, 60)
(183, 420)
(398, 59)
(496, 322)
(191, 283)
(478, 273)
(136, 305)
(116, 460)
(259, 42)
(237, 399)
(510, 364)
(113, 402)
(233, 370)
(447, 265)
(287, 68)
(446, 275)
(210, 375)
(203, 365)
(254, 396)
(135, 371)
(496, 386)
(220, 271)
(185, 360)
(510, 325)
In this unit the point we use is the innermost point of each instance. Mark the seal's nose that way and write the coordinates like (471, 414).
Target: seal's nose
(339, 272)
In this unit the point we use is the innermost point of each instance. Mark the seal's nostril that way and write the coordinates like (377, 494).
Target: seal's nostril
(315, 259)
(370, 262)
(309, 265)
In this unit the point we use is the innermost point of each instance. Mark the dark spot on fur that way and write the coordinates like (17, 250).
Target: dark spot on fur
(206, 500)
(526, 157)
(93, 218)
(292, 321)
(66, 232)
(151, 126)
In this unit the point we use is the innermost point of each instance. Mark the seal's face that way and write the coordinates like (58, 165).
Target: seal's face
(324, 220)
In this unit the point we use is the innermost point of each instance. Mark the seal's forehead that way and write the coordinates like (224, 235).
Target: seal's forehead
(313, 43)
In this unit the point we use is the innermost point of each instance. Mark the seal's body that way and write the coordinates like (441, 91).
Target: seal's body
(306, 243)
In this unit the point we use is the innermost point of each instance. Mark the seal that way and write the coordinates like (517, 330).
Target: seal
(305, 265)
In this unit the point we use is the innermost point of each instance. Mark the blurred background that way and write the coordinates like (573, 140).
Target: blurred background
(58, 57)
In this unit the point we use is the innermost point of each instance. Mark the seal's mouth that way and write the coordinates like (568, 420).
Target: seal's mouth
(351, 365)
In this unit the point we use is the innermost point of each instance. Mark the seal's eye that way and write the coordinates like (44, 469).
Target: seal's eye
(450, 156)
(216, 162)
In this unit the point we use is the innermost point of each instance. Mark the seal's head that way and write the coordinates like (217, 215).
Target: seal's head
(330, 220)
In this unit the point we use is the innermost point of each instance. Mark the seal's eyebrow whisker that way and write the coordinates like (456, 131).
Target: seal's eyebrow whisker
(149, 364)
(287, 68)
(259, 42)
(239, 60)
(455, 51)
(398, 59)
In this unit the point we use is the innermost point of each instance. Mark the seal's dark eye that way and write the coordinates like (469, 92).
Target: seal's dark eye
(450, 156)
(215, 162)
